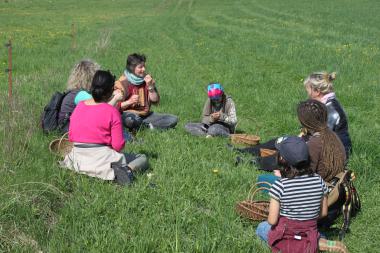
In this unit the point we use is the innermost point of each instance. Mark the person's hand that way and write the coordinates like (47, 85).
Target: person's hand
(133, 100)
(149, 80)
(117, 95)
(277, 173)
(215, 116)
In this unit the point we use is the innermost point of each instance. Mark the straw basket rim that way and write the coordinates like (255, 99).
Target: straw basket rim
(60, 146)
(246, 139)
(256, 210)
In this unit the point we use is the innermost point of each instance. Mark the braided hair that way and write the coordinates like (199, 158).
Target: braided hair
(313, 116)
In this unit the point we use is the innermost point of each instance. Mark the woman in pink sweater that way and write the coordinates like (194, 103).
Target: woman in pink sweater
(97, 133)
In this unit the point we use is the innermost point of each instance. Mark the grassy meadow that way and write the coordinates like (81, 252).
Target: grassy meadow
(259, 50)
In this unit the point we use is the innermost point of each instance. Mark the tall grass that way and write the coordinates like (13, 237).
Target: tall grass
(259, 50)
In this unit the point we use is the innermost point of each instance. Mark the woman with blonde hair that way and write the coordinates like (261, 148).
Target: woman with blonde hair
(78, 87)
(319, 86)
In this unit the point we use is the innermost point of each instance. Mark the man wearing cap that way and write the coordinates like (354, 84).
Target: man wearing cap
(219, 114)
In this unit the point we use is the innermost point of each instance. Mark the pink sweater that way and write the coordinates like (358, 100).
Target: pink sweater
(100, 124)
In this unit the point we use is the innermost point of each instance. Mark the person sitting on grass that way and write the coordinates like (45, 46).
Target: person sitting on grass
(327, 154)
(97, 133)
(319, 86)
(297, 200)
(139, 92)
(78, 88)
(219, 114)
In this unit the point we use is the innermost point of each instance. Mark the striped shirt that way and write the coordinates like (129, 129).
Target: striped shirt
(300, 197)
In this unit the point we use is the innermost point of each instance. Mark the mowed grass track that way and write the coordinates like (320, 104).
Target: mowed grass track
(259, 50)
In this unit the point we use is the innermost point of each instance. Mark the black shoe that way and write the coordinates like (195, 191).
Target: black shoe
(123, 175)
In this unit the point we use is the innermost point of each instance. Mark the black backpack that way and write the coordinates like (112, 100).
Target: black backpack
(49, 117)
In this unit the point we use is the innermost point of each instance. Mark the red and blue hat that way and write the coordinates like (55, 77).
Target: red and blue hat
(215, 90)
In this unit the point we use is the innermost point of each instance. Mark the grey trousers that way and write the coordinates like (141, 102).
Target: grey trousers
(200, 129)
(137, 162)
(133, 121)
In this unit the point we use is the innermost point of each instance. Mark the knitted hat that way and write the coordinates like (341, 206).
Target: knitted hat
(215, 90)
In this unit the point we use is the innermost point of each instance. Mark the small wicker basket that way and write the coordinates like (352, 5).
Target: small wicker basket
(256, 210)
(61, 146)
(246, 139)
(267, 152)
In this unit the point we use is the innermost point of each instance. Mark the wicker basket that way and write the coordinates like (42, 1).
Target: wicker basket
(267, 152)
(61, 146)
(246, 139)
(256, 210)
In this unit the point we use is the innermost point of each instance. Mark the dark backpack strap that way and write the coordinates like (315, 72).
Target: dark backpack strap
(346, 210)
(63, 123)
(352, 203)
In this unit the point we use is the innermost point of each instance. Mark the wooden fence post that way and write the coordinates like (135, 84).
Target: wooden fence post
(9, 69)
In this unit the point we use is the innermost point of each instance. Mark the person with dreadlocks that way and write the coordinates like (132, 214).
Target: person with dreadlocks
(219, 114)
(319, 86)
(327, 153)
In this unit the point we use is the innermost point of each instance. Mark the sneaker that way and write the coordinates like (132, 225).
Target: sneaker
(123, 175)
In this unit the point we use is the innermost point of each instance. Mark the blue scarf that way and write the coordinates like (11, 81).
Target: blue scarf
(133, 79)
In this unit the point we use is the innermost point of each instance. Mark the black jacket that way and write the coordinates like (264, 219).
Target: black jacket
(337, 122)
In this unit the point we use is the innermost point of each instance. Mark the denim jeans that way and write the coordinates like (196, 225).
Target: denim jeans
(262, 230)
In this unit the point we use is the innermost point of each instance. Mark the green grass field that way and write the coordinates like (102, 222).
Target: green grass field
(260, 50)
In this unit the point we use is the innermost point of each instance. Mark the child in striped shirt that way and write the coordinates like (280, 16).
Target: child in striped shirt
(298, 199)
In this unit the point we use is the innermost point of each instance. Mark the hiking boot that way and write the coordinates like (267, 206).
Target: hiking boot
(123, 175)
(332, 246)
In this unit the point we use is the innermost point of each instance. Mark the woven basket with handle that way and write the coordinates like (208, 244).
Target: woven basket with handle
(245, 139)
(61, 146)
(256, 210)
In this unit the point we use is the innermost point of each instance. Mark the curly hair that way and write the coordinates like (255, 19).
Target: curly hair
(321, 81)
(81, 75)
